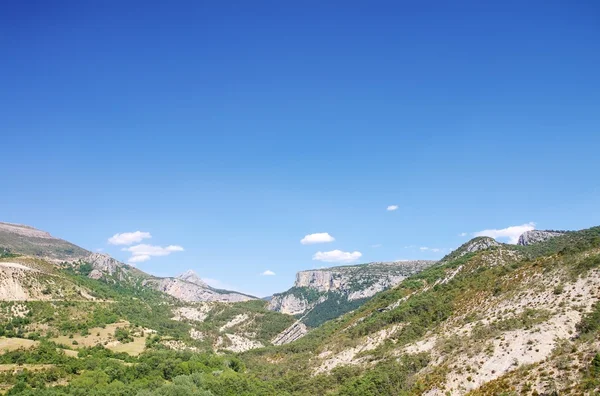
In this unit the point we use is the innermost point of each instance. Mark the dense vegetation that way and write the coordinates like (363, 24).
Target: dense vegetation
(6, 253)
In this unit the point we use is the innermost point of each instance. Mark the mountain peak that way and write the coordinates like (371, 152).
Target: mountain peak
(192, 277)
(474, 245)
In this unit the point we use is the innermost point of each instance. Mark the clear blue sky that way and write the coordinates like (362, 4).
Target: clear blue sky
(234, 129)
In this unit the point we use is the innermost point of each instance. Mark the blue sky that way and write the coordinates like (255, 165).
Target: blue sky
(234, 129)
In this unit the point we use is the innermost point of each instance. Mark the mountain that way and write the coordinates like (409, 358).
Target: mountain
(190, 287)
(324, 294)
(192, 277)
(53, 290)
(490, 319)
(29, 241)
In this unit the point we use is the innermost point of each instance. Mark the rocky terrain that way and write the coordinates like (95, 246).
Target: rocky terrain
(490, 319)
(535, 236)
(28, 241)
(346, 287)
(291, 334)
(190, 287)
(472, 246)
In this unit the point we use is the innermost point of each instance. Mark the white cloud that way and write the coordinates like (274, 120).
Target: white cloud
(321, 237)
(377, 245)
(268, 273)
(99, 249)
(511, 233)
(139, 259)
(391, 208)
(337, 256)
(127, 238)
(462, 234)
(143, 252)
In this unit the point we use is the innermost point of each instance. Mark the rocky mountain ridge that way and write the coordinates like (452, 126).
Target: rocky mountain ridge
(29, 241)
(536, 236)
(190, 287)
(346, 287)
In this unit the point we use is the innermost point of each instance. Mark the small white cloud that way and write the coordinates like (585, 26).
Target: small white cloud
(462, 234)
(435, 250)
(377, 245)
(511, 233)
(99, 249)
(268, 273)
(143, 252)
(391, 208)
(321, 237)
(337, 256)
(127, 238)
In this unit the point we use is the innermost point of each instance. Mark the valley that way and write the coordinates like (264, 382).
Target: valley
(487, 318)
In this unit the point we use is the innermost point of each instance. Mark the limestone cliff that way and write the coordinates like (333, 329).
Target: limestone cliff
(535, 236)
(323, 294)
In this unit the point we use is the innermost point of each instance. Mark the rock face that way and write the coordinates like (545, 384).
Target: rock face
(348, 285)
(477, 244)
(292, 333)
(535, 236)
(103, 263)
(189, 287)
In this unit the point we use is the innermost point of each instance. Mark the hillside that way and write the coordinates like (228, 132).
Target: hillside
(65, 305)
(28, 241)
(521, 319)
(323, 294)
(32, 242)
(489, 319)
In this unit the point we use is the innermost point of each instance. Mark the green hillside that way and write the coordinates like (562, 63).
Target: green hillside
(504, 320)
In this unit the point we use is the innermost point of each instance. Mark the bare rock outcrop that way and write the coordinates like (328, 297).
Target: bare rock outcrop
(103, 263)
(192, 292)
(535, 236)
(292, 333)
(289, 304)
(477, 244)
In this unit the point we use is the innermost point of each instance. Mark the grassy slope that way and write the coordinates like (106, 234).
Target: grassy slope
(40, 247)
